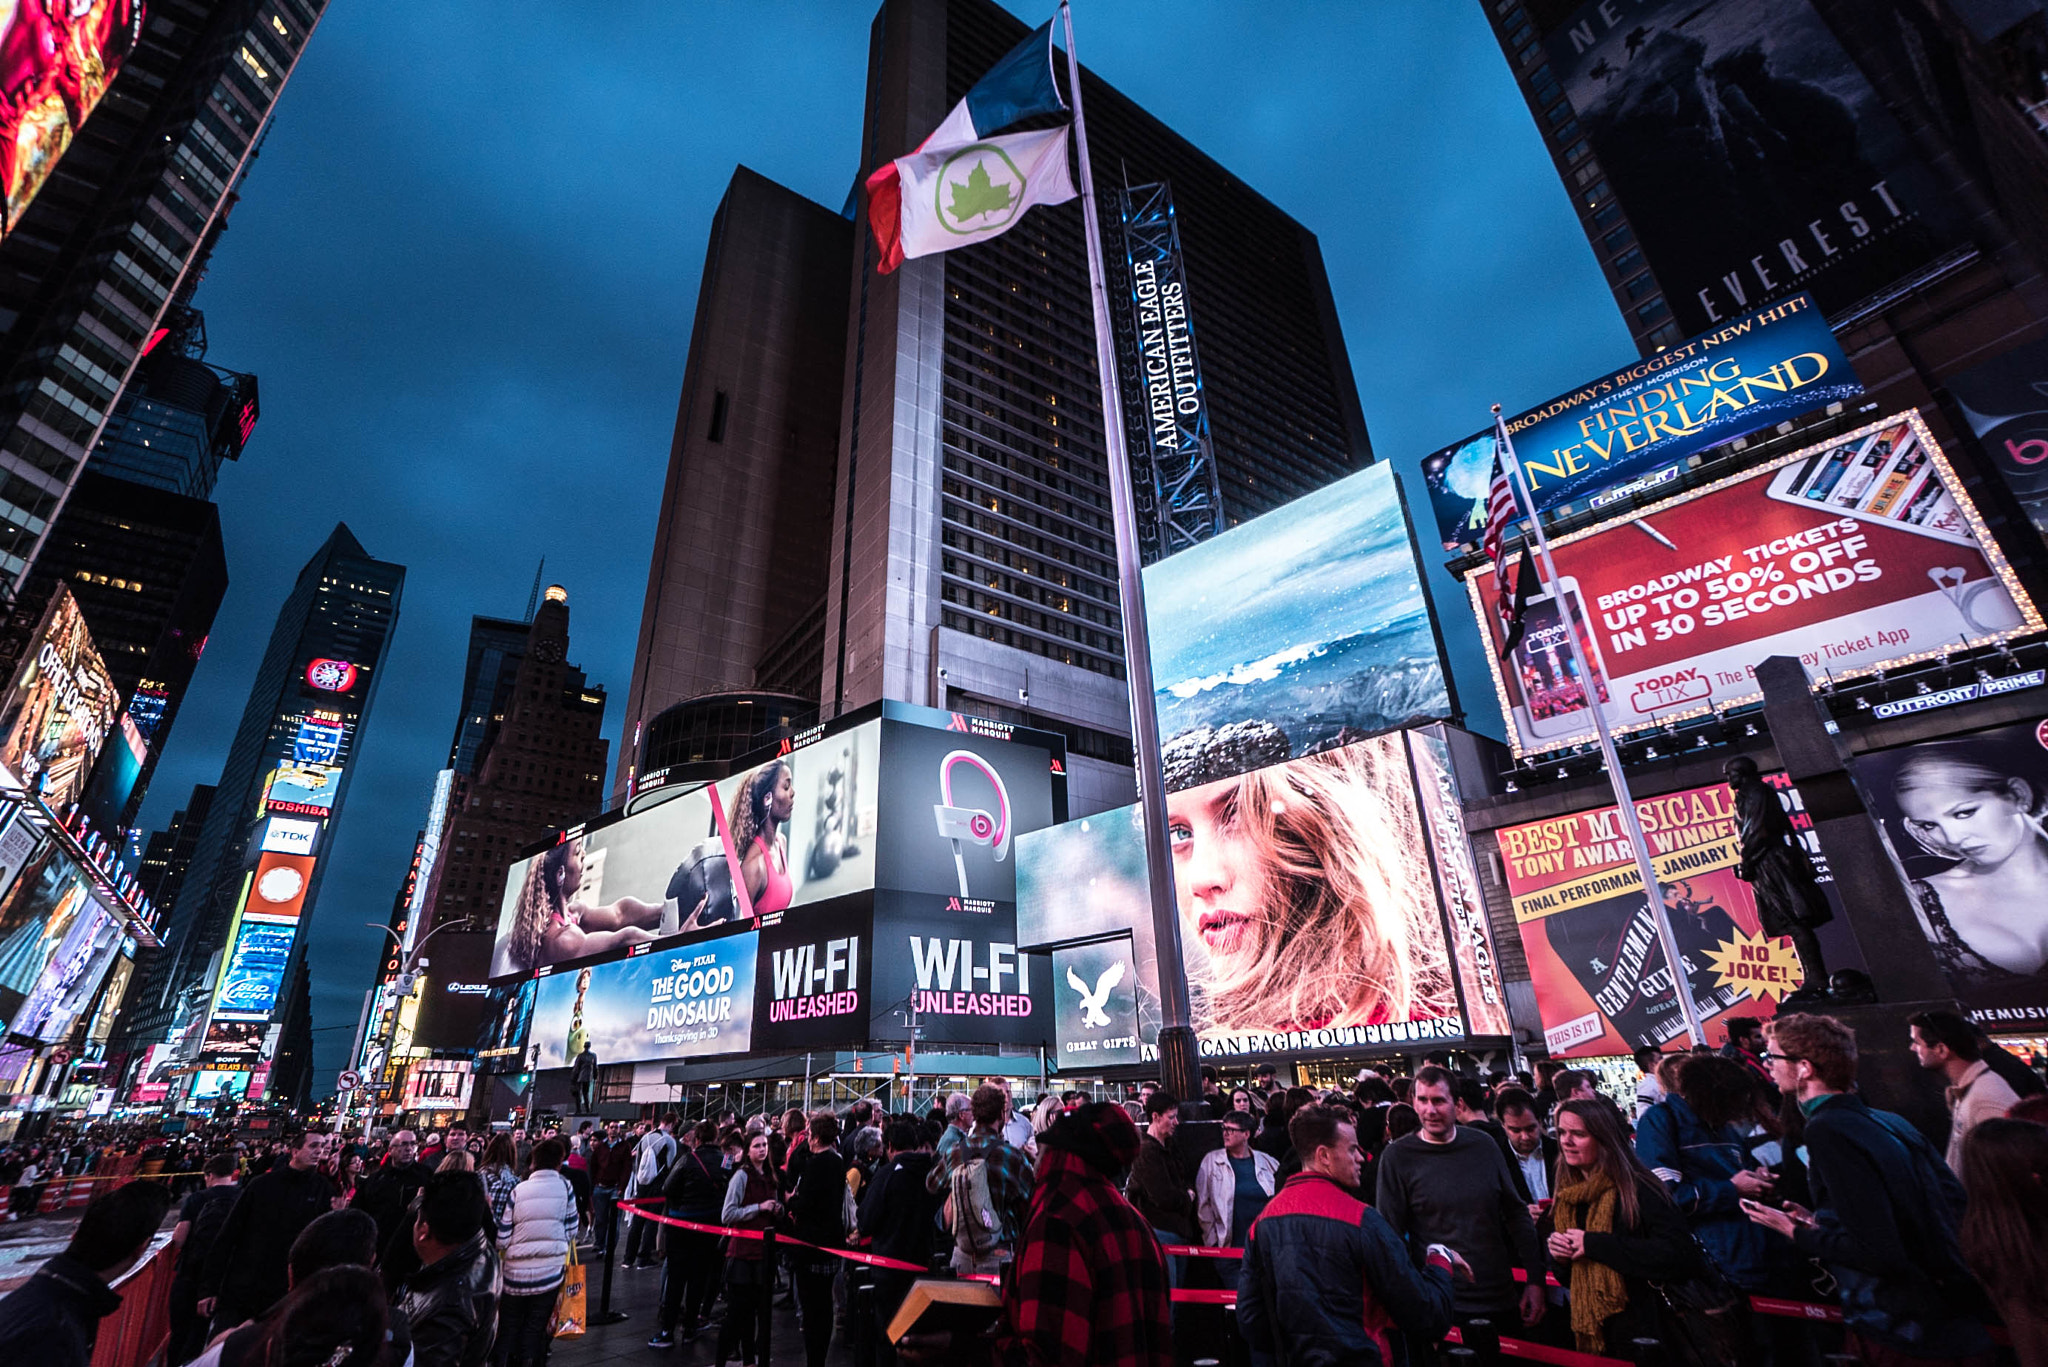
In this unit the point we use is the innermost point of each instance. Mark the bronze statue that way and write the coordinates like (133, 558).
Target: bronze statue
(1789, 901)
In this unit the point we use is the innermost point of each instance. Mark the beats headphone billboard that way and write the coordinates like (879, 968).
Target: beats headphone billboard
(953, 802)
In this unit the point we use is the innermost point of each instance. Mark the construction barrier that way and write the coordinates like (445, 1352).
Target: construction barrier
(139, 1333)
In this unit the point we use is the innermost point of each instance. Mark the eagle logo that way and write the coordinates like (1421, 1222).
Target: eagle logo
(1092, 1014)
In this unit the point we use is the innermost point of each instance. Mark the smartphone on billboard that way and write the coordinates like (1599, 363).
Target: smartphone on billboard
(1553, 697)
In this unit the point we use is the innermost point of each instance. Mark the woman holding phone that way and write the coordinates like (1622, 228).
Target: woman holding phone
(1615, 1231)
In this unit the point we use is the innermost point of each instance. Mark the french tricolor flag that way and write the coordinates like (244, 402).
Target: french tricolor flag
(963, 185)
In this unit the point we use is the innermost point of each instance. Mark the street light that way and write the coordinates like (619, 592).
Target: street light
(408, 977)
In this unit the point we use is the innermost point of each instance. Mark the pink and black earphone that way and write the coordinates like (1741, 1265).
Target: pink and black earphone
(972, 824)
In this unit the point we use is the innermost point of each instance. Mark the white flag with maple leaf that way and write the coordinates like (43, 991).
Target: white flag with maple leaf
(970, 192)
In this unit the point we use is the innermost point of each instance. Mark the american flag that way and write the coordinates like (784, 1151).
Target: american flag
(1510, 589)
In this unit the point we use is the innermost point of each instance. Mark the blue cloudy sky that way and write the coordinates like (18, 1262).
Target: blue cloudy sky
(465, 264)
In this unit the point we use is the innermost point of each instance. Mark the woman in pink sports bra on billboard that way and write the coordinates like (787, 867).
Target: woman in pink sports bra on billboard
(760, 810)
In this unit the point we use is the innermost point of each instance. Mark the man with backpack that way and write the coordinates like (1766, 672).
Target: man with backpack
(651, 1157)
(694, 1189)
(1886, 1209)
(987, 1185)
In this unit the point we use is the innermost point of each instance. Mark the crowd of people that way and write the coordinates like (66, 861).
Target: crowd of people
(1367, 1224)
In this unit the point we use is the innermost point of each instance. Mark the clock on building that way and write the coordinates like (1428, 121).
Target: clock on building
(331, 676)
(548, 651)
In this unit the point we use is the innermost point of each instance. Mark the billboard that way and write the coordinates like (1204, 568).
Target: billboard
(955, 802)
(960, 972)
(153, 1077)
(1750, 154)
(501, 1041)
(288, 835)
(811, 986)
(233, 1044)
(302, 789)
(1637, 428)
(1854, 555)
(19, 841)
(104, 801)
(1309, 916)
(70, 977)
(1102, 1018)
(803, 825)
(36, 917)
(278, 890)
(1457, 878)
(56, 63)
(318, 739)
(682, 1001)
(1290, 630)
(1964, 820)
(438, 1084)
(1603, 985)
(253, 975)
(59, 709)
(2006, 405)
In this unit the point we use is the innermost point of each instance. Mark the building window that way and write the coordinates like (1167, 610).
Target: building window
(1628, 261)
(1665, 336)
(1654, 310)
(717, 431)
(1640, 286)
(1577, 151)
(1608, 215)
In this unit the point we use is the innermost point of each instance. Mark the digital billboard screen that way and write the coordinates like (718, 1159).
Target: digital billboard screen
(318, 739)
(1291, 629)
(1603, 984)
(71, 976)
(36, 917)
(803, 824)
(153, 1077)
(58, 711)
(58, 60)
(438, 1084)
(960, 972)
(104, 803)
(1309, 915)
(277, 891)
(1457, 877)
(811, 987)
(1967, 823)
(1635, 429)
(688, 1000)
(1853, 555)
(233, 1043)
(955, 800)
(2005, 401)
(1750, 153)
(288, 835)
(501, 1042)
(253, 975)
(302, 789)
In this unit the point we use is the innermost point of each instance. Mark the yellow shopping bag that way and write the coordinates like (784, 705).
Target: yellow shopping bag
(570, 1317)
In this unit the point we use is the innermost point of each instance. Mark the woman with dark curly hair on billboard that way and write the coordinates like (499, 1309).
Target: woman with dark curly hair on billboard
(760, 809)
(549, 925)
(1305, 886)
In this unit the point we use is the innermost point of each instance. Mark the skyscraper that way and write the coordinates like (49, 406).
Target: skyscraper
(283, 784)
(972, 559)
(496, 646)
(735, 593)
(179, 417)
(120, 226)
(539, 768)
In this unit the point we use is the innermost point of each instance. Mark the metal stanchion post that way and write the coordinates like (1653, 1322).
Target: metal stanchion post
(605, 1314)
(767, 1330)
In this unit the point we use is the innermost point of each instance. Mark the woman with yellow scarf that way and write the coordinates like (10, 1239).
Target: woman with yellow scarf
(1615, 1231)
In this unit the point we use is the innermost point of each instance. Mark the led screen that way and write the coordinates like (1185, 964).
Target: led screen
(1751, 155)
(153, 1078)
(71, 976)
(1635, 429)
(1472, 952)
(104, 803)
(803, 824)
(1851, 555)
(960, 972)
(2005, 401)
(254, 973)
(211, 1084)
(288, 835)
(1293, 629)
(501, 1043)
(811, 982)
(1967, 822)
(1308, 915)
(318, 740)
(680, 1001)
(55, 64)
(302, 789)
(38, 914)
(58, 711)
(955, 799)
(438, 1084)
(278, 889)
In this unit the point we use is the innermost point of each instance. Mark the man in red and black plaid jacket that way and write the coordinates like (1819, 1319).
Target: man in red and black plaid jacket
(1090, 1281)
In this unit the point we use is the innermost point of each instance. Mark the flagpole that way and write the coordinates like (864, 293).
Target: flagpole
(1625, 803)
(1177, 1065)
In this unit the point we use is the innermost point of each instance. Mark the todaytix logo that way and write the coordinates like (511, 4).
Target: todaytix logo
(809, 981)
(979, 906)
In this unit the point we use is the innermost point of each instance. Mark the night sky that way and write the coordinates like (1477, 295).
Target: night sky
(465, 264)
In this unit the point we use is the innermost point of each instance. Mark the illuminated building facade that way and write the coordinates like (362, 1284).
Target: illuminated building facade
(972, 558)
(119, 230)
(260, 853)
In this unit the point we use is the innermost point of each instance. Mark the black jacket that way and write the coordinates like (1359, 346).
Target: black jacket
(1659, 1245)
(385, 1192)
(896, 1211)
(51, 1318)
(247, 1265)
(1162, 1192)
(818, 1203)
(452, 1307)
(207, 1209)
(695, 1184)
(1549, 1152)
